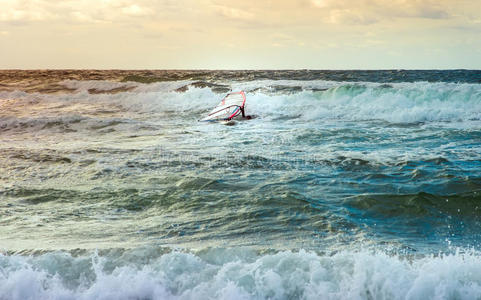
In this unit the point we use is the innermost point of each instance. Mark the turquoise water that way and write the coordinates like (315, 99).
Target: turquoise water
(339, 189)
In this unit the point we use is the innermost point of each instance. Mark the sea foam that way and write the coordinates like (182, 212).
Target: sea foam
(240, 274)
(314, 101)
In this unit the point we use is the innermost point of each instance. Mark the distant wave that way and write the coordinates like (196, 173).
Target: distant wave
(305, 101)
(397, 103)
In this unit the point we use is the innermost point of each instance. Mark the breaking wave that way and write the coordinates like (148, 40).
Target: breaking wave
(398, 103)
(154, 273)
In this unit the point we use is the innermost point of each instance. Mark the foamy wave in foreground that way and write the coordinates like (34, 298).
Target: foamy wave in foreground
(239, 274)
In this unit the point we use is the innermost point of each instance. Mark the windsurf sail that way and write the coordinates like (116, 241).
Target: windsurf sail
(228, 108)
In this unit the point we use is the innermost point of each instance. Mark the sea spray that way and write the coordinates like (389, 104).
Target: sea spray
(240, 274)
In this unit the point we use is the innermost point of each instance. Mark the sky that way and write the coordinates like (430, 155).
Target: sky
(240, 34)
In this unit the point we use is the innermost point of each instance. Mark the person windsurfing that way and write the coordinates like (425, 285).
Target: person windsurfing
(242, 109)
(230, 107)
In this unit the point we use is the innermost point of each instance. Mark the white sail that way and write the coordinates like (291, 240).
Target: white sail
(228, 108)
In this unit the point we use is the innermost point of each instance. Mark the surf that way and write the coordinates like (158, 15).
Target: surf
(238, 274)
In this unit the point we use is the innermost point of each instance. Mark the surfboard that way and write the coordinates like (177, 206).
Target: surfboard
(228, 122)
(228, 108)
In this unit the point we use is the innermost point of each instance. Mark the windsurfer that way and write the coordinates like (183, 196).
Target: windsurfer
(242, 109)
(244, 114)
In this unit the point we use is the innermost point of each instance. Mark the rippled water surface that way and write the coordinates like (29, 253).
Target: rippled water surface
(347, 184)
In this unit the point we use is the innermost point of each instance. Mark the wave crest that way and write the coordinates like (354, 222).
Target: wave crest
(307, 101)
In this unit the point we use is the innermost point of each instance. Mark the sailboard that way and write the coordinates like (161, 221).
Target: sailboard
(228, 108)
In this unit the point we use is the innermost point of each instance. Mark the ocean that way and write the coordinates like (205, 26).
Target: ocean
(345, 185)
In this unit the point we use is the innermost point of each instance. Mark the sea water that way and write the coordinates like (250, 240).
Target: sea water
(346, 185)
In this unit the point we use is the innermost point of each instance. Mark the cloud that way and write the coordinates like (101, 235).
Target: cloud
(246, 13)
(349, 16)
(21, 11)
(228, 15)
(135, 10)
(233, 13)
(371, 11)
(81, 11)
(427, 9)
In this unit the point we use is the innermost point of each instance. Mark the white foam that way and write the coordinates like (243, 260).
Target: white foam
(431, 103)
(403, 103)
(399, 103)
(283, 275)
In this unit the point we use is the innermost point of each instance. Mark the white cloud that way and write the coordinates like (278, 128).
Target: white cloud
(82, 11)
(13, 11)
(319, 3)
(348, 16)
(371, 11)
(135, 10)
(233, 13)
